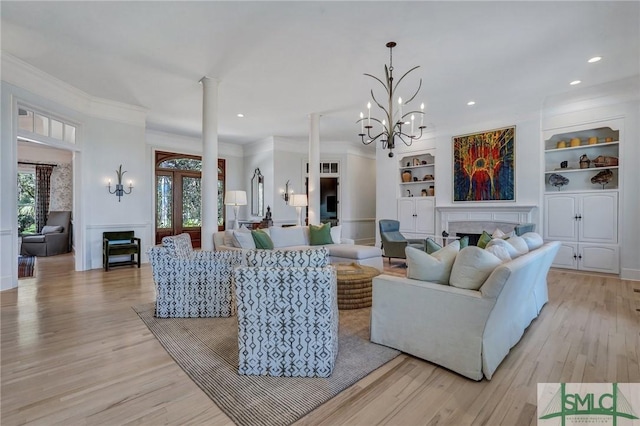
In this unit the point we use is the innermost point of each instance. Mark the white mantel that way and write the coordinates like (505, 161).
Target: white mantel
(484, 213)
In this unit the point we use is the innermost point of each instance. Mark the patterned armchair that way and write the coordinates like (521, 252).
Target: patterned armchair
(192, 284)
(287, 313)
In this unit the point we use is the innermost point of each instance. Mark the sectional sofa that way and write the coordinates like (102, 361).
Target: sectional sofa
(343, 250)
(472, 316)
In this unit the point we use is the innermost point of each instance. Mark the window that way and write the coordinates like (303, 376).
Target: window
(26, 202)
(43, 124)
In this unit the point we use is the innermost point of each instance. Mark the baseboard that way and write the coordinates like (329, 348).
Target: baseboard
(7, 283)
(630, 274)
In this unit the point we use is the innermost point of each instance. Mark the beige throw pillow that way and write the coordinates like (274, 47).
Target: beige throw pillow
(472, 267)
(435, 267)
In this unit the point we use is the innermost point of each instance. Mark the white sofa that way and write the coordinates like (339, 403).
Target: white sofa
(467, 331)
(297, 238)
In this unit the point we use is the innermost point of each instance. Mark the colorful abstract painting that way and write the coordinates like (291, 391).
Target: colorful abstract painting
(484, 166)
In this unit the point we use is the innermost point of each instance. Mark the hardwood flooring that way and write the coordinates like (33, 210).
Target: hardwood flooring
(74, 352)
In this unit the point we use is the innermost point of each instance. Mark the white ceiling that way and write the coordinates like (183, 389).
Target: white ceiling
(279, 61)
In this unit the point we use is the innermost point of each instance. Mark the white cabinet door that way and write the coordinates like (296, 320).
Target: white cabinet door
(560, 215)
(598, 215)
(426, 215)
(567, 256)
(406, 214)
(600, 258)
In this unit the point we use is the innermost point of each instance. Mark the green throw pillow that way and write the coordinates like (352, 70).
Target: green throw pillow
(484, 239)
(432, 246)
(464, 242)
(320, 235)
(262, 239)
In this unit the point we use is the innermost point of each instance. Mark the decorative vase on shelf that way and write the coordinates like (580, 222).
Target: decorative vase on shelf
(584, 162)
(406, 176)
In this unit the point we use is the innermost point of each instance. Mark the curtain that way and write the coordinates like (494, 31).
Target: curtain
(43, 194)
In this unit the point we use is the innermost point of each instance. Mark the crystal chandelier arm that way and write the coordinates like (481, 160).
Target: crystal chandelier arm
(404, 75)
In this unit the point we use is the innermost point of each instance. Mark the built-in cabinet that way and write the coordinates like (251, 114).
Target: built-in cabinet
(416, 200)
(581, 209)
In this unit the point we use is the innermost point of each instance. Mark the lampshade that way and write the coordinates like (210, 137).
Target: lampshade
(235, 198)
(298, 200)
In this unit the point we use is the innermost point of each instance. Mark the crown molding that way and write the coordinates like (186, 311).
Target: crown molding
(260, 146)
(21, 74)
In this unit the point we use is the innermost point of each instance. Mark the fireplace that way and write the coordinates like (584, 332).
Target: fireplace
(472, 219)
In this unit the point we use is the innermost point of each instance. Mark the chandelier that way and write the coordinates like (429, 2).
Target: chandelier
(395, 119)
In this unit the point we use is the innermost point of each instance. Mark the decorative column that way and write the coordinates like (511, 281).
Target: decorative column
(209, 182)
(314, 169)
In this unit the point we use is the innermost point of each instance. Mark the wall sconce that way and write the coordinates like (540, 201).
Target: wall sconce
(286, 193)
(235, 199)
(299, 201)
(119, 191)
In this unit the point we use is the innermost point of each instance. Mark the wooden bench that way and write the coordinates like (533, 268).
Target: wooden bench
(120, 244)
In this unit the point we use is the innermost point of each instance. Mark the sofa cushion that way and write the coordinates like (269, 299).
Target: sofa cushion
(472, 267)
(534, 240)
(435, 267)
(262, 239)
(228, 239)
(243, 239)
(352, 251)
(320, 235)
(289, 236)
(48, 229)
(484, 239)
(519, 244)
(499, 251)
(312, 257)
(336, 234)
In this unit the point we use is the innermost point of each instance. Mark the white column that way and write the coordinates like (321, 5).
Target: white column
(209, 161)
(314, 168)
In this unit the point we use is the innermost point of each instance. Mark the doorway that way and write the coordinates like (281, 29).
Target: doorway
(179, 195)
(329, 200)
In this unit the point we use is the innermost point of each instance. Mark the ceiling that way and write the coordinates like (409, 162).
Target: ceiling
(277, 62)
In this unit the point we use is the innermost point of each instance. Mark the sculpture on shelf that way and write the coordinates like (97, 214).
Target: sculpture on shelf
(603, 177)
(558, 180)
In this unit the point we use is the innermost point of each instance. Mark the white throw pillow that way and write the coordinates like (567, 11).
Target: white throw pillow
(472, 267)
(228, 239)
(534, 241)
(244, 239)
(434, 267)
(519, 244)
(499, 242)
(336, 234)
(289, 236)
(499, 234)
(498, 251)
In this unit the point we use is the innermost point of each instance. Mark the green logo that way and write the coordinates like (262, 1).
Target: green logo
(585, 405)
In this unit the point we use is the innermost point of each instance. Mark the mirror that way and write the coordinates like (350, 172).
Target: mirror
(257, 194)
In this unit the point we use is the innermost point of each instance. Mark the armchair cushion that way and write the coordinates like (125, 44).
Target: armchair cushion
(47, 229)
(178, 245)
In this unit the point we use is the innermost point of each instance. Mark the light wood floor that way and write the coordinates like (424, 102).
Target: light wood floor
(74, 352)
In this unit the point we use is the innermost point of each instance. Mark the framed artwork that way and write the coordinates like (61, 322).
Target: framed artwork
(484, 166)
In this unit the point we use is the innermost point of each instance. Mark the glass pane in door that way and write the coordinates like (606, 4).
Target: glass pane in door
(220, 202)
(191, 202)
(164, 203)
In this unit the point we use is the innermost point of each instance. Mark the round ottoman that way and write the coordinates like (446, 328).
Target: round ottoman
(354, 285)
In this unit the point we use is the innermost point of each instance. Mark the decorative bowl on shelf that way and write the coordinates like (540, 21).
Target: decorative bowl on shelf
(558, 180)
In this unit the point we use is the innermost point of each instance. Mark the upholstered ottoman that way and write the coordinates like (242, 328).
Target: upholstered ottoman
(361, 255)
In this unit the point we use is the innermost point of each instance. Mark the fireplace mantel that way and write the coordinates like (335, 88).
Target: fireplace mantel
(485, 213)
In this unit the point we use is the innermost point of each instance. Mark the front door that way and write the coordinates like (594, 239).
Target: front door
(179, 196)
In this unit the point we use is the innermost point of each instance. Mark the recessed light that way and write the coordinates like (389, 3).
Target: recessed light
(240, 115)
(594, 59)
(574, 82)
(471, 103)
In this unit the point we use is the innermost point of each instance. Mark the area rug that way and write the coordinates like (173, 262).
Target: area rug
(207, 350)
(26, 266)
